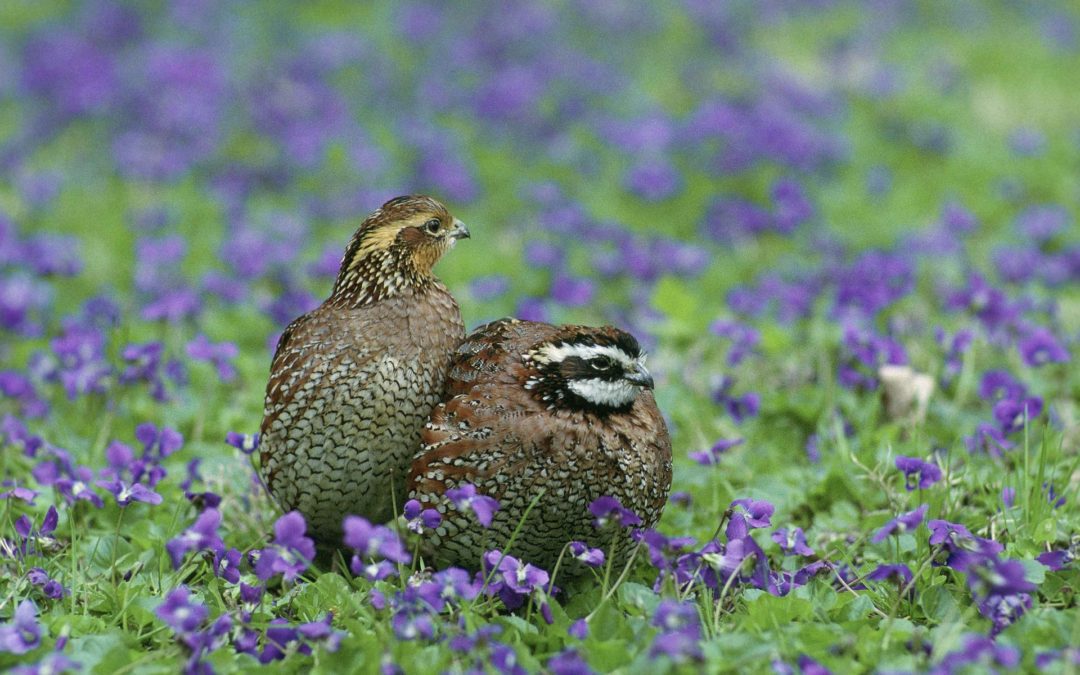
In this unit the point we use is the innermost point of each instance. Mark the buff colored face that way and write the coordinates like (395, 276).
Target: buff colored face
(396, 246)
(429, 235)
(419, 225)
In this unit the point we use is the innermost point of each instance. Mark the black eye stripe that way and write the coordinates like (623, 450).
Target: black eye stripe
(577, 368)
(602, 362)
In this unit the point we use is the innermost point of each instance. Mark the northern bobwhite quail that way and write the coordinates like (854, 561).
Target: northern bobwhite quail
(531, 407)
(353, 381)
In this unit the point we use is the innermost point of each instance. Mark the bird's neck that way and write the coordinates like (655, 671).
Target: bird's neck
(376, 276)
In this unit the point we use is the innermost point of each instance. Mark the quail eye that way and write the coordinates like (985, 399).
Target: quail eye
(432, 225)
(602, 363)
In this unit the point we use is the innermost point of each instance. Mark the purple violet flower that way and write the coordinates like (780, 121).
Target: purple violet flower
(901, 574)
(376, 548)
(745, 339)
(125, 494)
(989, 439)
(465, 497)
(245, 443)
(201, 536)
(1040, 347)
(568, 662)
(35, 538)
(746, 515)
(593, 557)
(418, 519)
(903, 523)
(14, 433)
(1042, 222)
(220, 355)
(579, 629)
(730, 562)
(980, 651)
(1008, 497)
(291, 552)
(609, 509)
(1068, 655)
(182, 614)
(738, 407)
(680, 631)
(1012, 415)
(961, 546)
(504, 660)
(999, 384)
(1052, 497)
(1055, 560)
(664, 552)
(412, 620)
(449, 587)
(999, 577)
(158, 443)
(917, 473)
(513, 580)
(142, 363)
(17, 386)
(572, 291)
(711, 457)
(653, 178)
(792, 542)
(227, 564)
(22, 493)
(251, 595)
(23, 634)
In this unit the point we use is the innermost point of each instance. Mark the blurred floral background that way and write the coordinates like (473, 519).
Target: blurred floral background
(777, 196)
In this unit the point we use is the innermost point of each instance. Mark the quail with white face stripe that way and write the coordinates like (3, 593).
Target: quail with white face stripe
(559, 415)
(601, 375)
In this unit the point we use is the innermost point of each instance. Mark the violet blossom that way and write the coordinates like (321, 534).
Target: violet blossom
(917, 473)
(905, 522)
(465, 497)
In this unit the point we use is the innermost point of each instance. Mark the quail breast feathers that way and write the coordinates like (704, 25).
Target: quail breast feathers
(558, 414)
(353, 381)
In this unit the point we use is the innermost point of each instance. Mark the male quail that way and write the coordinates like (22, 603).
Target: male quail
(353, 381)
(560, 414)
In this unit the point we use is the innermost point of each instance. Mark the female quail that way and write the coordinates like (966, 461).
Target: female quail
(560, 414)
(353, 381)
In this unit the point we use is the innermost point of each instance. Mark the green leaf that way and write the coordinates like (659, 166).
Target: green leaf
(766, 611)
(518, 625)
(101, 653)
(607, 655)
(939, 604)
(858, 609)
(1034, 571)
(640, 596)
(608, 623)
(1045, 531)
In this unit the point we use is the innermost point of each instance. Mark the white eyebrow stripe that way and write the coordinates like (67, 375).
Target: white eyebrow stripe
(587, 352)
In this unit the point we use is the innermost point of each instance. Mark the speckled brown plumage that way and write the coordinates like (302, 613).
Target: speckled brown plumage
(353, 381)
(566, 410)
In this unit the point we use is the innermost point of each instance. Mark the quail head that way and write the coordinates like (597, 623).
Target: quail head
(353, 381)
(562, 415)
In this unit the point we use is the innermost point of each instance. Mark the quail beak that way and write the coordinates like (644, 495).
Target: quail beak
(640, 376)
(459, 231)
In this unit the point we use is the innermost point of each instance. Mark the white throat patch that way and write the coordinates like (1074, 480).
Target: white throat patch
(609, 393)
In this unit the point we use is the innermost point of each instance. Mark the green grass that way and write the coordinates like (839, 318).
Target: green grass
(113, 560)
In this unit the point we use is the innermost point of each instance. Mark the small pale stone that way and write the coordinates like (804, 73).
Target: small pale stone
(905, 393)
